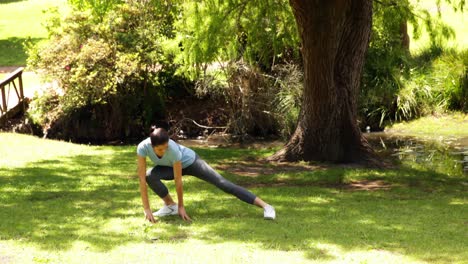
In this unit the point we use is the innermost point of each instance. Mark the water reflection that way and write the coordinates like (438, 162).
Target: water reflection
(444, 154)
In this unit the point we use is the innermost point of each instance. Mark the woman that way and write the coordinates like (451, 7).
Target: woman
(171, 161)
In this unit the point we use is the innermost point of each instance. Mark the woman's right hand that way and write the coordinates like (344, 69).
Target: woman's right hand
(149, 215)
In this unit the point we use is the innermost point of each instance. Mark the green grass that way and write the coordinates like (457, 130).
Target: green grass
(21, 21)
(67, 203)
(454, 124)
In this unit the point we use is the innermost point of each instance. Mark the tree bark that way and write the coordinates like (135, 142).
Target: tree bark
(404, 36)
(334, 38)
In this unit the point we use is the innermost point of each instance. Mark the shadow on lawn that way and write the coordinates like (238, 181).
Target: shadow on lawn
(53, 203)
(410, 219)
(10, 1)
(13, 51)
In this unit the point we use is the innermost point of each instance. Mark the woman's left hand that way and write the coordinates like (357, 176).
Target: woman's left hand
(184, 214)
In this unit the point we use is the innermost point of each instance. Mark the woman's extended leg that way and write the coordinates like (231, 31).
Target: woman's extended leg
(202, 170)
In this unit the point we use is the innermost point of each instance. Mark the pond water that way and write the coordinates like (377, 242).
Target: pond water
(444, 154)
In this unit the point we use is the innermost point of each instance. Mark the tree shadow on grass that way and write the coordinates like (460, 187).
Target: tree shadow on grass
(418, 216)
(13, 51)
(54, 203)
(10, 1)
(413, 225)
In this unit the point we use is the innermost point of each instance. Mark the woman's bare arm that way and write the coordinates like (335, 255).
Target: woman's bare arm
(179, 189)
(144, 188)
(178, 182)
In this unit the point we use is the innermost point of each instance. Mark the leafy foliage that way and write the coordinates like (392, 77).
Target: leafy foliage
(99, 8)
(262, 33)
(116, 61)
(397, 86)
(247, 52)
(214, 32)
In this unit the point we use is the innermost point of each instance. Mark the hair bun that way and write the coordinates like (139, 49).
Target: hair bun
(152, 129)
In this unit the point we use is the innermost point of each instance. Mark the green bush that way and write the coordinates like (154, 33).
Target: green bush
(433, 82)
(113, 65)
(98, 7)
(258, 104)
(397, 86)
(45, 107)
(288, 99)
(248, 95)
(458, 91)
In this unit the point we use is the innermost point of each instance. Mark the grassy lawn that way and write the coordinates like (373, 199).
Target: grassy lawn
(20, 21)
(68, 203)
(454, 124)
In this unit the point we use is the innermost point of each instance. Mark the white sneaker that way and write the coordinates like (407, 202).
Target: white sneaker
(269, 212)
(167, 210)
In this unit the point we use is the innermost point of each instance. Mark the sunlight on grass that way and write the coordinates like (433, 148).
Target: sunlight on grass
(216, 253)
(455, 124)
(20, 21)
(70, 203)
(24, 19)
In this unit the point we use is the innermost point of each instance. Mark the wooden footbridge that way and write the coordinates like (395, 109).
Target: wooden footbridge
(12, 100)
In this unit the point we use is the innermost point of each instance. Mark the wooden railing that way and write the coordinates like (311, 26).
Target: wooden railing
(8, 83)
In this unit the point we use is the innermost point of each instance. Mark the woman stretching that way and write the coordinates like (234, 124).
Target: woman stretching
(171, 161)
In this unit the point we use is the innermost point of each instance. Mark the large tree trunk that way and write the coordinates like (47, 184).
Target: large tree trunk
(335, 36)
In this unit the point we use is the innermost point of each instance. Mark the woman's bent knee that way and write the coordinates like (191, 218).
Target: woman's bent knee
(157, 186)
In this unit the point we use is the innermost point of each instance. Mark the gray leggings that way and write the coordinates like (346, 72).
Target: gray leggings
(200, 169)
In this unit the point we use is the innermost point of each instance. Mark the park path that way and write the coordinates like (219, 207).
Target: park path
(7, 69)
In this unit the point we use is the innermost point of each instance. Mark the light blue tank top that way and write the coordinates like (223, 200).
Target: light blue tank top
(174, 153)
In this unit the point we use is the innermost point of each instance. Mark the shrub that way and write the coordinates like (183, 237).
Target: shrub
(287, 102)
(112, 66)
(397, 86)
(258, 104)
(248, 96)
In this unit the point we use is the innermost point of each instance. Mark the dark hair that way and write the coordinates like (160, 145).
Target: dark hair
(158, 136)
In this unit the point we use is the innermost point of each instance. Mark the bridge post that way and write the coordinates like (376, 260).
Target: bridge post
(21, 86)
(10, 80)
(4, 103)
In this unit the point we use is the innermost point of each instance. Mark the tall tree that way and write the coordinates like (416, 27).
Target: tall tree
(334, 39)
(334, 36)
